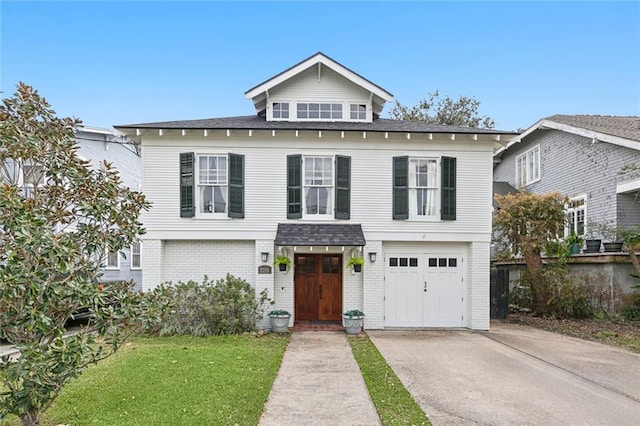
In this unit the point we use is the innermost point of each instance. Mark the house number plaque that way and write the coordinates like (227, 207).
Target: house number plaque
(264, 269)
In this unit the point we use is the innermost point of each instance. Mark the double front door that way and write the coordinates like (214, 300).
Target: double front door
(318, 287)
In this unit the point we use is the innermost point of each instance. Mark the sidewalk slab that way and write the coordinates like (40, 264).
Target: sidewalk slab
(319, 382)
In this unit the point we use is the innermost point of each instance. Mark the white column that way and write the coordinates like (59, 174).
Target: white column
(373, 286)
(264, 281)
(478, 286)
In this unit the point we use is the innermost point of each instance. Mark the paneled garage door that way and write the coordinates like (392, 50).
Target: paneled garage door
(424, 290)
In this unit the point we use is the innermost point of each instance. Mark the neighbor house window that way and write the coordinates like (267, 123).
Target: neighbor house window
(135, 255)
(280, 110)
(423, 187)
(319, 111)
(576, 215)
(528, 167)
(318, 185)
(212, 184)
(358, 111)
(113, 260)
(32, 178)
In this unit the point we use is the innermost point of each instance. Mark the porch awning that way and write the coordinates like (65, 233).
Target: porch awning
(319, 234)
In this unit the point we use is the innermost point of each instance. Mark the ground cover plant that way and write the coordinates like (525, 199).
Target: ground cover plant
(394, 403)
(175, 381)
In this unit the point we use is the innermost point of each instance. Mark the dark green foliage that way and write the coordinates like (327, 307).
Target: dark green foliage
(564, 294)
(228, 306)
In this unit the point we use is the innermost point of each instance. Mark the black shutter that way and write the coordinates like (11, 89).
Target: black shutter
(400, 188)
(187, 185)
(294, 186)
(448, 194)
(236, 186)
(343, 187)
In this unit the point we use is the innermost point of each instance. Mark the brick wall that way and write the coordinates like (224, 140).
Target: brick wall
(373, 287)
(478, 289)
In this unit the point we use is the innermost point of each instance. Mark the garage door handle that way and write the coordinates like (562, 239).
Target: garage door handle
(425, 286)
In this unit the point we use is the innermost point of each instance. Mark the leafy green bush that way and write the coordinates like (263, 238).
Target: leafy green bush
(228, 306)
(565, 295)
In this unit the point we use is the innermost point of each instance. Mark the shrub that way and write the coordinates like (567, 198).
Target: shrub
(565, 295)
(228, 306)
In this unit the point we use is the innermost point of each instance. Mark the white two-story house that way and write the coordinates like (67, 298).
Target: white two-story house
(317, 176)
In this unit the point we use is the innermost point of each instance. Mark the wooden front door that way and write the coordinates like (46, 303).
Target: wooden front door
(318, 287)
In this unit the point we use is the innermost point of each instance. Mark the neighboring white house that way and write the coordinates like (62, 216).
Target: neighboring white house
(97, 145)
(316, 175)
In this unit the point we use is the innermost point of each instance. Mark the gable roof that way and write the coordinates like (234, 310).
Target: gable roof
(618, 130)
(258, 93)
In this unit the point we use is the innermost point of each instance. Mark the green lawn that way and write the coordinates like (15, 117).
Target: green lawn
(394, 403)
(221, 380)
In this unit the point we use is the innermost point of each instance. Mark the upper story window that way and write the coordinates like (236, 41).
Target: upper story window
(318, 185)
(319, 111)
(423, 187)
(528, 167)
(358, 111)
(212, 184)
(576, 215)
(280, 110)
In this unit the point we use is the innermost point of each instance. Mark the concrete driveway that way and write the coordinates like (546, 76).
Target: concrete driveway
(514, 375)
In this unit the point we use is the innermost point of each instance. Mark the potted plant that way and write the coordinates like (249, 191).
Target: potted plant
(612, 241)
(353, 321)
(282, 262)
(357, 263)
(574, 243)
(594, 239)
(279, 320)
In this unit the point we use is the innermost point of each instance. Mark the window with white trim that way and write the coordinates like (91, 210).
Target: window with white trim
(528, 167)
(423, 187)
(136, 251)
(318, 111)
(212, 184)
(318, 186)
(576, 216)
(280, 110)
(113, 261)
(358, 111)
(32, 178)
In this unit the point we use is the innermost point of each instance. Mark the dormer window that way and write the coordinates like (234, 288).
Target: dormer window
(319, 111)
(358, 111)
(281, 110)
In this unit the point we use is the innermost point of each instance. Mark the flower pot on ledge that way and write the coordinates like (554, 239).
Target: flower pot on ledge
(613, 247)
(592, 246)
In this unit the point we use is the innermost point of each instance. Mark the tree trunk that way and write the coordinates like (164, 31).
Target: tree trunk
(30, 419)
(535, 268)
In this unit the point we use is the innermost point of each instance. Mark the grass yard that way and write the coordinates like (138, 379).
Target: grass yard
(394, 403)
(222, 380)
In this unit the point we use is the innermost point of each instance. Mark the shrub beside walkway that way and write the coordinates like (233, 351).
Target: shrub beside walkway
(319, 382)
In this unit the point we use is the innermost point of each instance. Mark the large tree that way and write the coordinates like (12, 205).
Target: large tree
(58, 219)
(527, 221)
(435, 109)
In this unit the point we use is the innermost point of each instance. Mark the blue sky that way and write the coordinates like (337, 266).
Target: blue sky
(128, 62)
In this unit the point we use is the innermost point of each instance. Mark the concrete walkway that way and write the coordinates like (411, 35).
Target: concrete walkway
(319, 383)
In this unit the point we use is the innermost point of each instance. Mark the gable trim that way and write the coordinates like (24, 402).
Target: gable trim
(590, 134)
(318, 58)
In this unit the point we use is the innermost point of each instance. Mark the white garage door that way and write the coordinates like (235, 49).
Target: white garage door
(424, 290)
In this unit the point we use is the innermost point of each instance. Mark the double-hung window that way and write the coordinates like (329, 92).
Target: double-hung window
(212, 184)
(318, 186)
(113, 261)
(576, 215)
(135, 255)
(423, 187)
(528, 167)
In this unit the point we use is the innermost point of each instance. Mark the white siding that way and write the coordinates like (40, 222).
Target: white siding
(265, 184)
(306, 86)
